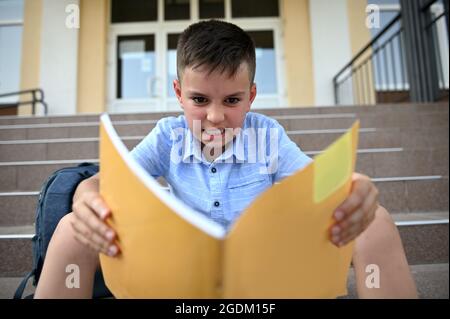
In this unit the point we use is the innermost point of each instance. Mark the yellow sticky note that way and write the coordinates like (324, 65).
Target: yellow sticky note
(333, 167)
(278, 248)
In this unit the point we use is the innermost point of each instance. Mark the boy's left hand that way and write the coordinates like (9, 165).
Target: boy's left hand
(355, 214)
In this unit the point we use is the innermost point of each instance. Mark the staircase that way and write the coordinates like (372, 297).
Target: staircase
(403, 147)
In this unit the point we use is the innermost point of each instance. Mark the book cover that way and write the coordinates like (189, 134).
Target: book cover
(278, 248)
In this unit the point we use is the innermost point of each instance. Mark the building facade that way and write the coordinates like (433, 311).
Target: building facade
(92, 56)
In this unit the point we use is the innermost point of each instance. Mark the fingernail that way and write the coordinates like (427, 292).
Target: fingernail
(341, 244)
(110, 234)
(338, 215)
(335, 239)
(112, 250)
(104, 213)
(335, 230)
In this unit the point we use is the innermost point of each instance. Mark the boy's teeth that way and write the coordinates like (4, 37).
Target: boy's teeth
(213, 132)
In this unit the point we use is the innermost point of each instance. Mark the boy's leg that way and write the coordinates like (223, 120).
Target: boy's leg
(380, 245)
(62, 251)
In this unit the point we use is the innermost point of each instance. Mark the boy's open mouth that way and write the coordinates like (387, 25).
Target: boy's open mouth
(210, 134)
(214, 131)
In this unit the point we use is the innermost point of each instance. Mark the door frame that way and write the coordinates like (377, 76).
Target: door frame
(160, 29)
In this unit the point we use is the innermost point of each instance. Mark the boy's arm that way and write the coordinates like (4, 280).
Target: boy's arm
(289, 158)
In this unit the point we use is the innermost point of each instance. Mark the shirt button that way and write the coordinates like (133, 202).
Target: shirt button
(213, 170)
(216, 203)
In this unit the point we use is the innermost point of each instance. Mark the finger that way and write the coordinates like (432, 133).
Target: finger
(343, 226)
(353, 231)
(353, 201)
(371, 217)
(95, 202)
(84, 241)
(363, 216)
(91, 238)
(85, 215)
(340, 232)
(369, 207)
(351, 234)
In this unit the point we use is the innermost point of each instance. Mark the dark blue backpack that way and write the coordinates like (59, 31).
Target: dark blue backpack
(55, 201)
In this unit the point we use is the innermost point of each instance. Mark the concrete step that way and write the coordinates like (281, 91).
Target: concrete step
(432, 282)
(308, 140)
(289, 122)
(77, 118)
(381, 108)
(400, 194)
(29, 176)
(425, 240)
(412, 139)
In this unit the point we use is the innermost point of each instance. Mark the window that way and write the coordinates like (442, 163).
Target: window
(135, 66)
(265, 77)
(134, 11)
(254, 8)
(172, 40)
(211, 9)
(176, 10)
(144, 50)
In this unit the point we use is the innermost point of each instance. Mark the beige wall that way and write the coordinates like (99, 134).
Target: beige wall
(359, 34)
(298, 52)
(31, 50)
(92, 56)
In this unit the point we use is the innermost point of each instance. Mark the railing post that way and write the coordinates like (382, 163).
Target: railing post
(336, 99)
(420, 58)
(33, 103)
(446, 15)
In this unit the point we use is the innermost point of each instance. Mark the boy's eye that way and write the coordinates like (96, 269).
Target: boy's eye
(232, 100)
(199, 99)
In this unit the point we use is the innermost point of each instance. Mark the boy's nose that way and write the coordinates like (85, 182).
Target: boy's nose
(215, 115)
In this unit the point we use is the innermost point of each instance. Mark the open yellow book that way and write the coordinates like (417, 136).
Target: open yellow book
(278, 248)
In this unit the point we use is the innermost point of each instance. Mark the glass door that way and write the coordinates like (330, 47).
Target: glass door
(133, 84)
(142, 44)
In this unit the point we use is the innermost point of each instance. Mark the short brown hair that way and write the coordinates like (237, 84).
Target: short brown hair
(217, 45)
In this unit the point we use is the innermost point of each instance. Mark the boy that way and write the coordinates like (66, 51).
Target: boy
(216, 69)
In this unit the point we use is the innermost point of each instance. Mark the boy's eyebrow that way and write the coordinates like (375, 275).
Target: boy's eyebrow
(198, 93)
(237, 93)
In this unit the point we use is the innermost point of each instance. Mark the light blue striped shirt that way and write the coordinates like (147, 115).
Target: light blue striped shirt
(259, 156)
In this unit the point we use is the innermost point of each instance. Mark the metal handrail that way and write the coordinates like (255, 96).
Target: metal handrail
(35, 98)
(369, 45)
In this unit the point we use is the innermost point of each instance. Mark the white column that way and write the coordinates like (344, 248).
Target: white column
(11, 26)
(330, 45)
(59, 54)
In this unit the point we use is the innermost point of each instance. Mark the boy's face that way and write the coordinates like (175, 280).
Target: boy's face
(216, 101)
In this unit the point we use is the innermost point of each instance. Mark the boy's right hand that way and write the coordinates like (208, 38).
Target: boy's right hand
(90, 212)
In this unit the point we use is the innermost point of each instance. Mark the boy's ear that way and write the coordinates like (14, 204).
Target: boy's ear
(252, 94)
(177, 89)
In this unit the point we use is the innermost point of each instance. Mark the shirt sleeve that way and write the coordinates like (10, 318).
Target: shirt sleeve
(153, 152)
(290, 157)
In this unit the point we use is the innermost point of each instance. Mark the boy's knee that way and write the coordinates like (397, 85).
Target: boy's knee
(64, 236)
(384, 216)
(379, 236)
(64, 227)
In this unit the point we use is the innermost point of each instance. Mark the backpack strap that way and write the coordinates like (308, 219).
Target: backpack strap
(19, 291)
